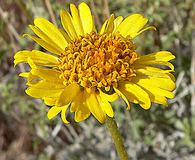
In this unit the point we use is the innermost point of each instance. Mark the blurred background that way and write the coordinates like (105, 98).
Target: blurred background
(161, 133)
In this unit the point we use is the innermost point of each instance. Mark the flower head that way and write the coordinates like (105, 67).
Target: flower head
(85, 70)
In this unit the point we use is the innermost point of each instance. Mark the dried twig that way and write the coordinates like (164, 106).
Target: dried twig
(97, 20)
(106, 12)
(22, 5)
(50, 10)
(192, 70)
(4, 17)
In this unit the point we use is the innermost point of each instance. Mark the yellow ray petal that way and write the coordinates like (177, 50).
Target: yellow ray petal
(86, 18)
(103, 28)
(145, 29)
(110, 25)
(51, 31)
(171, 76)
(66, 36)
(63, 113)
(156, 98)
(108, 97)
(40, 34)
(158, 58)
(164, 56)
(156, 90)
(50, 75)
(149, 68)
(41, 93)
(132, 25)
(67, 24)
(24, 74)
(68, 94)
(43, 84)
(77, 101)
(46, 38)
(105, 105)
(163, 83)
(82, 114)
(80, 108)
(123, 97)
(53, 111)
(151, 63)
(47, 46)
(31, 63)
(50, 101)
(94, 107)
(135, 94)
(153, 72)
(76, 20)
(38, 57)
(117, 22)
(30, 77)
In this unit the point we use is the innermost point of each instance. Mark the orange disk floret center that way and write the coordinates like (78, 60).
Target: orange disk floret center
(98, 60)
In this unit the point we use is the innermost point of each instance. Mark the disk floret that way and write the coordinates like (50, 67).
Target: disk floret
(98, 60)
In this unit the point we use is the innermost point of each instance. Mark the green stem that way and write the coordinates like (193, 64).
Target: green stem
(116, 137)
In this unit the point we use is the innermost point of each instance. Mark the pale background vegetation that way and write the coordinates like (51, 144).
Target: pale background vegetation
(162, 133)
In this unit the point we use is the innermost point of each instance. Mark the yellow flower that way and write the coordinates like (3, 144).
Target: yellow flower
(85, 70)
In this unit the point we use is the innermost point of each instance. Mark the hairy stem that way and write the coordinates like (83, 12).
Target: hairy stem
(116, 137)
